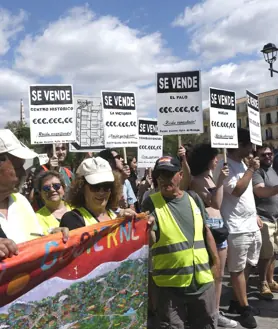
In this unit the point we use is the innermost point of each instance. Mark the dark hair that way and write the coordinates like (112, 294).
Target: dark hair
(200, 157)
(264, 146)
(108, 156)
(243, 136)
(48, 174)
(130, 159)
(48, 148)
(76, 196)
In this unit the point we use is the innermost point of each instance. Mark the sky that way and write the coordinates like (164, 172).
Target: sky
(120, 45)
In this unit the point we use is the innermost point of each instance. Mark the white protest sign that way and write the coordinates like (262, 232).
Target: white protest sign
(43, 158)
(254, 118)
(120, 119)
(150, 146)
(223, 119)
(88, 123)
(51, 114)
(179, 103)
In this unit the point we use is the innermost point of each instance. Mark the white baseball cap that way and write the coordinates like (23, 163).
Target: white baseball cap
(96, 171)
(10, 144)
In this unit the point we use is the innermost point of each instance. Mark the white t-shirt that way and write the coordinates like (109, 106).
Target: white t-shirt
(239, 214)
(14, 226)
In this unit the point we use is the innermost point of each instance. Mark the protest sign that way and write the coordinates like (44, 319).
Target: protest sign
(88, 123)
(51, 114)
(98, 279)
(120, 119)
(223, 118)
(179, 103)
(150, 146)
(254, 118)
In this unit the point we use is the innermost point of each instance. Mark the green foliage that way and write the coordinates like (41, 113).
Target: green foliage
(21, 131)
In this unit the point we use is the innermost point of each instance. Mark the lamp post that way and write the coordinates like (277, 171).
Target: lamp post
(270, 55)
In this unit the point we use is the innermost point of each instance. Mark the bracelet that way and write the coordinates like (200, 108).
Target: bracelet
(252, 171)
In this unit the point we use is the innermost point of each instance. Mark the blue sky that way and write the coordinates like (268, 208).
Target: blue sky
(121, 44)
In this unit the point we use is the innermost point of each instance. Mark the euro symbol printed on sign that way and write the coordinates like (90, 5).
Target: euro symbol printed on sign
(149, 147)
(228, 125)
(52, 121)
(181, 109)
(120, 124)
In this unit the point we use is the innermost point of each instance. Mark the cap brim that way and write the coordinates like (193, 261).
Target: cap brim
(23, 153)
(100, 178)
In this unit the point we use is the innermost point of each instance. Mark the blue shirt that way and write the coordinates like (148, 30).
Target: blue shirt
(128, 193)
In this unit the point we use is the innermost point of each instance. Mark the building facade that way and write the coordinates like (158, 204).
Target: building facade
(269, 116)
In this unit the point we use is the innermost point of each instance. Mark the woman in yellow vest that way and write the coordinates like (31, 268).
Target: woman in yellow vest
(94, 194)
(52, 190)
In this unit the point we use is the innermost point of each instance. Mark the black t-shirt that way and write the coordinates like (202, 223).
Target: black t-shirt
(73, 220)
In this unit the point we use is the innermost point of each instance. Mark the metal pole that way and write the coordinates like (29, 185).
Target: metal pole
(271, 70)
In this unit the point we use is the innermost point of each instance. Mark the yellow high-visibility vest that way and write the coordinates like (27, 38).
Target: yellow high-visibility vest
(174, 260)
(88, 217)
(29, 220)
(47, 220)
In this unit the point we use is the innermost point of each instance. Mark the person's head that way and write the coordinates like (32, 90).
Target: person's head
(13, 154)
(51, 187)
(132, 163)
(265, 154)
(96, 186)
(168, 174)
(244, 144)
(202, 158)
(61, 151)
(248, 159)
(115, 160)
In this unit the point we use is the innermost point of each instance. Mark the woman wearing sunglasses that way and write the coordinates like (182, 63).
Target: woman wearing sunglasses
(51, 187)
(94, 193)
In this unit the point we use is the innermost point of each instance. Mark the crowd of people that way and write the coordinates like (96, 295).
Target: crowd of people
(203, 215)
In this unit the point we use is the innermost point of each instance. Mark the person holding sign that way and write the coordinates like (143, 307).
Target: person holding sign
(239, 212)
(265, 187)
(212, 195)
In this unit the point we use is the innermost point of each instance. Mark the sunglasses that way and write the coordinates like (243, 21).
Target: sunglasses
(118, 157)
(4, 157)
(56, 187)
(106, 187)
(269, 154)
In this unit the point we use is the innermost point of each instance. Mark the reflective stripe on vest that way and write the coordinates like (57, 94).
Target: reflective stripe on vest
(27, 218)
(175, 261)
(89, 219)
(48, 221)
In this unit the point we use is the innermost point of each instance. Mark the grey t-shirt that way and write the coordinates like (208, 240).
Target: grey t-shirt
(266, 207)
(182, 212)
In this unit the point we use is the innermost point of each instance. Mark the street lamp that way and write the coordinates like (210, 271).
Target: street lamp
(270, 55)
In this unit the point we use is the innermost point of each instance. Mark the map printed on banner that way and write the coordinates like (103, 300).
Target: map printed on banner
(51, 114)
(254, 118)
(89, 124)
(179, 103)
(150, 146)
(120, 119)
(223, 119)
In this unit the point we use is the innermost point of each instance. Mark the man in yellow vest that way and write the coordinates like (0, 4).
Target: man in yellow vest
(18, 222)
(182, 250)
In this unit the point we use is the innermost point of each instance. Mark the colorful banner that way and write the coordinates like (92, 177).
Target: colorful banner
(98, 279)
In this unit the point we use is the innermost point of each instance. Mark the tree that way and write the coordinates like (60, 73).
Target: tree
(21, 131)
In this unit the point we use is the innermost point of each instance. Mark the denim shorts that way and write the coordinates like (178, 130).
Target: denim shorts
(217, 223)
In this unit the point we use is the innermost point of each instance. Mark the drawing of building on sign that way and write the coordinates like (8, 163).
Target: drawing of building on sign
(89, 123)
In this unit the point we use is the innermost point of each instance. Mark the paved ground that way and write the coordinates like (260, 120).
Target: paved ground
(268, 318)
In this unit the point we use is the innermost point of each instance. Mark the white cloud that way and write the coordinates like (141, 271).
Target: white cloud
(97, 53)
(218, 31)
(10, 26)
